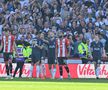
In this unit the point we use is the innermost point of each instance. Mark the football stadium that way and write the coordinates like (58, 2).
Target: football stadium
(53, 44)
(48, 84)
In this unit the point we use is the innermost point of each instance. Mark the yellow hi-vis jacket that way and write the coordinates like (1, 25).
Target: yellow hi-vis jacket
(28, 53)
(20, 51)
(83, 50)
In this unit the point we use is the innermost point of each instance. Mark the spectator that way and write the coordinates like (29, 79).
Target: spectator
(81, 18)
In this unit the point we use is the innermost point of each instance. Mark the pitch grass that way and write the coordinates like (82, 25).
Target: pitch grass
(48, 84)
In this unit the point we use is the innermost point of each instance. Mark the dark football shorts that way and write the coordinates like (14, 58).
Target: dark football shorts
(61, 60)
(36, 57)
(51, 60)
(97, 60)
(7, 56)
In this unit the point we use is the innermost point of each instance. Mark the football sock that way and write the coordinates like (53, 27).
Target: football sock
(10, 68)
(15, 71)
(43, 71)
(31, 69)
(37, 71)
(67, 69)
(61, 70)
(7, 69)
(53, 73)
(97, 71)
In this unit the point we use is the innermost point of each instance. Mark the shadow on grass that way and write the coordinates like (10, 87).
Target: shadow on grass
(84, 80)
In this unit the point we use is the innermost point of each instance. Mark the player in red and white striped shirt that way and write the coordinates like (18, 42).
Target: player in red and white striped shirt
(62, 44)
(8, 45)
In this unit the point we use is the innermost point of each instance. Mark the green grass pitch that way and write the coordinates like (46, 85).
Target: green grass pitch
(48, 84)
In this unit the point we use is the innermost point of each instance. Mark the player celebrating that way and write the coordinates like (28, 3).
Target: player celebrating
(98, 51)
(51, 54)
(37, 46)
(8, 45)
(62, 44)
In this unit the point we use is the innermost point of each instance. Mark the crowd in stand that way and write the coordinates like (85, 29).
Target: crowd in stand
(78, 19)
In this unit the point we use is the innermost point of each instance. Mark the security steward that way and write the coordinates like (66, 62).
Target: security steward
(20, 58)
(83, 51)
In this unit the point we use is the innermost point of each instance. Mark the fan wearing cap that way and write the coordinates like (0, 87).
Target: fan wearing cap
(8, 45)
